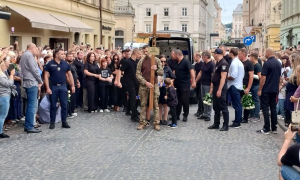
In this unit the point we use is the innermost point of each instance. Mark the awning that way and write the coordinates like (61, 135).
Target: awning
(4, 15)
(41, 20)
(75, 25)
(283, 33)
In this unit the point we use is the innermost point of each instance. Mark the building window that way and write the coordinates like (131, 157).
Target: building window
(166, 11)
(184, 11)
(166, 27)
(148, 11)
(184, 27)
(148, 28)
(119, 33)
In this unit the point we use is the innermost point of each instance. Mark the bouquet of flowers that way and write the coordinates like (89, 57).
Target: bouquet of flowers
(247, 102)
(207, 99)
(69, 96)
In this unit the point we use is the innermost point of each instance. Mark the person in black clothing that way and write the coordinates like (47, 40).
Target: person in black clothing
(162, 89)
(114, 67)
(78, 63)
(105, 81)
(91, 70)
(226, 56)
(218, 89)
(172, 101)
(130, 83)
(198, 67)
(184, 74)
(248, 79)
(288, 157)
(268, 90)
(257, 51)
(172, 61)
(72, 102)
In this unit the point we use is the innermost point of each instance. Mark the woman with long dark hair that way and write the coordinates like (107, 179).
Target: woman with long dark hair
(91, 79)
(117, 101)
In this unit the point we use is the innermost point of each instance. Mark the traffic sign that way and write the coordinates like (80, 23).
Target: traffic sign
(253, 38)
(248, 41)
(248, 29)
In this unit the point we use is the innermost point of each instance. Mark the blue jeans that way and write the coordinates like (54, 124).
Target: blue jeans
(289, 173)
(255, 112)
(4, 107)
(32, 93)
(59, 93)
(280, 107)
(236, 103)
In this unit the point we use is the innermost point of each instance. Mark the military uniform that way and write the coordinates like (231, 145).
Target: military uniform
(143, 71)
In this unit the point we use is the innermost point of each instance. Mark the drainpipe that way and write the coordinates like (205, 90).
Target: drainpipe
(100, 11)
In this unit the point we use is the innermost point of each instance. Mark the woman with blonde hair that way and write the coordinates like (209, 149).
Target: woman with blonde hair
(291, 86)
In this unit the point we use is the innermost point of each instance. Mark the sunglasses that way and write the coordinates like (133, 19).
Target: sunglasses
(163, 61)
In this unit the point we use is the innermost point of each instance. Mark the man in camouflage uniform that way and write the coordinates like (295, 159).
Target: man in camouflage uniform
(143, 72)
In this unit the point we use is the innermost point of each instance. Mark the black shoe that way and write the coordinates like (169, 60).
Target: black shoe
(33, 130)
(197, 114)
(52, 126)
(128, 113)
(65, 125)
(213, 127)
(4, 135)
(207, 119)
(163, 122)
(224, 128)
(135, 119)
(235, 126)
(184, 119)
(245, 121)
(203, 117)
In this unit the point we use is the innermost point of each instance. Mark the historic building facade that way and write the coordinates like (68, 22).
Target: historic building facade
(237, 25)
(57, 23)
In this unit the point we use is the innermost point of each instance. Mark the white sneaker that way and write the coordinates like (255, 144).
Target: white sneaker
(70, 117)
(96, 111)
(274, 132)
(101, 110)
(22, 119)
(92, 111)
(106, 110)
(74, 114)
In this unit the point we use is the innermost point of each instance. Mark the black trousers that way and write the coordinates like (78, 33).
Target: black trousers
(200, 101)
(71, 102)
(219, 105)
(117, 101)
(103, 94)
(131, 104)
(173, 114)
(91, 87)
(110, 95)
(183, 101)
(79, 94)
(124, 96)
(269, 100)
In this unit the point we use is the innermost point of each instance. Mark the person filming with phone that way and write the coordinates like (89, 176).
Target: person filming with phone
(289, 156)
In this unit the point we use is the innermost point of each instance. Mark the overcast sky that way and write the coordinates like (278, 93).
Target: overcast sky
(227, 9)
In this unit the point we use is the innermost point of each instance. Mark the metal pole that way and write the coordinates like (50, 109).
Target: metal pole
(100, 11)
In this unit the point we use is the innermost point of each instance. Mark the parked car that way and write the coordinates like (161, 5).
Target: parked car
(178, 40)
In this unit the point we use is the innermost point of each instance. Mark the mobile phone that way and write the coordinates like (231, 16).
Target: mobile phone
(295, 127)
(11, 67)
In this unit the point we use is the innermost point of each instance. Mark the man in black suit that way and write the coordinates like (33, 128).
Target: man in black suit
(78, 63)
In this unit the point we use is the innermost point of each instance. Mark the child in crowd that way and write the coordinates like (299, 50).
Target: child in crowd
(281, 99)
(172, 101)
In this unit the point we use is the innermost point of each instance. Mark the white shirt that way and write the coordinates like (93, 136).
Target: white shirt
(236, 71)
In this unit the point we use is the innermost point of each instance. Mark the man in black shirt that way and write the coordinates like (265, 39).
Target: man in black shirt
(268, 90)
(78, 63)
(289, 157)
(172, 61)
(218, 89)
(204, 76)
(131, 83)
(248, 78)
(226, 56)
(184, 73)
(198, 67)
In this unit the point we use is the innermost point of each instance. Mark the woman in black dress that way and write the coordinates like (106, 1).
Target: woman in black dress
(114, 66)
(162, 88)
(91, 70)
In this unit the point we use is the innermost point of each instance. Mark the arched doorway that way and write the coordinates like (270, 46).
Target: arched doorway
(119, 38)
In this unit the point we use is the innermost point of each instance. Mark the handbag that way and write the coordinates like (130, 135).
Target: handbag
(296, 114)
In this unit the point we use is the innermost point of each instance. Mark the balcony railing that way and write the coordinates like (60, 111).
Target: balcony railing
(124, 10)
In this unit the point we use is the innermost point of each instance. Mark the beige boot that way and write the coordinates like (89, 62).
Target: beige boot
(141, 126)
(156, 127)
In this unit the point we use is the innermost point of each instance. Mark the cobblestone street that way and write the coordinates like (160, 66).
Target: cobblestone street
(108, 146)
